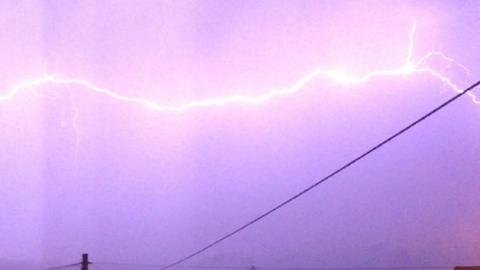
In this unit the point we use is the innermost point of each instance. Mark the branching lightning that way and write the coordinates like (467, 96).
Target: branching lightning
(408, 68)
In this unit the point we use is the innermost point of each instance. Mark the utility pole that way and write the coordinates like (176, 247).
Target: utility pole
(85, 261)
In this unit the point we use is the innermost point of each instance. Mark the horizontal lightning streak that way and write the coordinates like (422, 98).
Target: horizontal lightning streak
(339, 77)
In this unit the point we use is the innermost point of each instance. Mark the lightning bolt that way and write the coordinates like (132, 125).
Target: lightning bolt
(409, 67)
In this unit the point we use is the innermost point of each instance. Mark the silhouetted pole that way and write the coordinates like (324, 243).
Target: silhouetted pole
(85, 261)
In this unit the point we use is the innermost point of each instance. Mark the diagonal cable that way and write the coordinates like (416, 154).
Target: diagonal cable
(322, 180)
(61, 266)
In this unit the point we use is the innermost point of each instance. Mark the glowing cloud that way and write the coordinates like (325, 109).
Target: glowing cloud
(408, 68)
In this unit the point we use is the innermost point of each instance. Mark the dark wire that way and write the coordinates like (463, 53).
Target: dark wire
(61, 266)
(430, 267)
(314, 185)
(178, 267)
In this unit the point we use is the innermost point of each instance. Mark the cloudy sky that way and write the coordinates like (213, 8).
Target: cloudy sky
(97, 172)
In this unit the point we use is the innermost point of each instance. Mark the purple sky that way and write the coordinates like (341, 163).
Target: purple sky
(86, 172)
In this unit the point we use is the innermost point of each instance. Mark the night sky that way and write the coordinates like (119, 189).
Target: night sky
(98, 172)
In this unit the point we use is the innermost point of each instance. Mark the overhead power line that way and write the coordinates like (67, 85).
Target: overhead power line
(314, 185)
(237, 267)
(61, 266)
